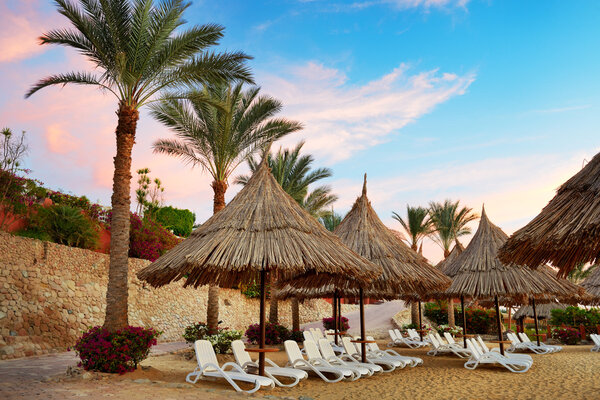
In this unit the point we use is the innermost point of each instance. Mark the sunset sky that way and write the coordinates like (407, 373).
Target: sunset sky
(493, 102)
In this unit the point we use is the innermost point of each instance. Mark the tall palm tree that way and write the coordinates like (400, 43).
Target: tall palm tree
(580, 272)
(293, 172)
(331, 220)
(217, 128)
(449, 222)
(417, 225)
(139, 53)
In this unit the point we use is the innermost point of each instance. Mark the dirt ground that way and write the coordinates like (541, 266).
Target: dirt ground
(570, 374)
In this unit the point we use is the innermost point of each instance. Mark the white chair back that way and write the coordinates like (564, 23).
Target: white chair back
(474, 351)
(293, 351)
(317, 334)
(439, 338)
(482, 345)
(392, 335)
(449, 338)
(312, 351)
(398, 333)
(434, 341)
(349, 346)
(205, 354)
(326, 349)
(239, 352)
(308, 336)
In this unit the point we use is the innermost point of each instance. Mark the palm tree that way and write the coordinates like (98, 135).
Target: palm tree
(217, 128)
(139, 53)
(417, 225)
(449, 223)
(579, 273)
(331, 220)
(293, 172)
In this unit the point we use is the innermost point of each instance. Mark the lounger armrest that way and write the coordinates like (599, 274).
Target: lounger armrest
(233, 366)
(249, 364)
(271, 363)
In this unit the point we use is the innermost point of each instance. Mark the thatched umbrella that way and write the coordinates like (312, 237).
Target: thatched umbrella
(404, 271)
(481, 275)
(591, 284)
(542, 310)
(262, 230)
(567, 231)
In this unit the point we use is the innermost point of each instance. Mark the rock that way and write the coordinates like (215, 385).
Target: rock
(177, 385)
(146, 367)
(25, 274)
(7, 350)
(142, 381)
(87, 375)
(2, 314)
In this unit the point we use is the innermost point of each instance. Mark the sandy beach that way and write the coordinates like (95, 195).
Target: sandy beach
(565, 375)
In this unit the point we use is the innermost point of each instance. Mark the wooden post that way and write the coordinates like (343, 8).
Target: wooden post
(340, 327)
(464, 315)
(509, 318)
(499, 325)
(261, 342)
(335, 317)
(535, 318)
(420, 321)
(363, 346)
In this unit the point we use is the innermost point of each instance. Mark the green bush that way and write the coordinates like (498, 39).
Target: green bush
(67, 225)
(478, 320)
(34, 234)
(221, 340)
(566, 335)
(575, 316)
(180, 221)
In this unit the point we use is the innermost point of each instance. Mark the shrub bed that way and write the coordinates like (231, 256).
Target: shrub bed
(566, 335)
(329, 323)
(274, 334)
(114, 352)
(221, 340)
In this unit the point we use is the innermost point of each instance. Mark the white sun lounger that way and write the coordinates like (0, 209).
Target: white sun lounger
(517, 345)
(414, 335)
(318, 335)
(399, 340)
(315, 358)
(445, 348)
(373, 349)
(208, 367)
(492, 357)
(482, 347)
(386, 364)
(297, 361)
(596, 339)
(329, 355)
(525, 339)
(242, 357)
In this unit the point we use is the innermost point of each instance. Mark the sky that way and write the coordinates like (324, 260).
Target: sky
(487, 102)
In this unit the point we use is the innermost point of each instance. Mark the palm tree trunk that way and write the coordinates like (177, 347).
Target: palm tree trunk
(117, 289)
(414, 313)
(212, 306)
(295, 314)
(273, 304)
(451, 319)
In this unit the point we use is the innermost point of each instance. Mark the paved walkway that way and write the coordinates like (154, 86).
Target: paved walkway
(378, 318)
(37, 369)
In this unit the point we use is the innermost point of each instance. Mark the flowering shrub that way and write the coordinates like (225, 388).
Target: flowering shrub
(274, 334)
(120, 351)
(195, 332)
(95, 211)
(329, 323)
(566, 335)
(221, 340)
(426, 327)
(148, 239)
(575, 316)
(296, 336)
(457, 330)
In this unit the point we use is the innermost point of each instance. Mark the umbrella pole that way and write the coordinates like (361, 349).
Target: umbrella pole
(420, 321)
(340, 313)
(335, 318)
(499, 325)
(464, 315)
(537, 332)
(363, 345)
(261, 342)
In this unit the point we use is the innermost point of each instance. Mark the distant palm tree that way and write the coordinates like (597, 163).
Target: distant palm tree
(449, 222)
(217, 128)
(293, 173)
(139, 53)
(331, 221)
(417, 224)
(579, 273)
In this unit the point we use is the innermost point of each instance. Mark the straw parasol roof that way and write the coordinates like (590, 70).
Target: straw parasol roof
(262, 228)
(448, 261)
(480, 274)
(591, 284)
(567, 231)
(404, 271)
(542, 310)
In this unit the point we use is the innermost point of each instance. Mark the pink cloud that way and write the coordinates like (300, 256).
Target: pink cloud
(21, 24)
(60, 141)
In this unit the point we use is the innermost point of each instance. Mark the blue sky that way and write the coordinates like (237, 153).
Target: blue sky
(482, 101)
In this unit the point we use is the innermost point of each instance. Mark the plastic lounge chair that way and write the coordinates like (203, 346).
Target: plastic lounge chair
(315, 358)
(318, 335)
(525, 339)
(413, 344)
(596, 339)
(272, 370)
(297, 361)
(414, 335)
(395, 341)
(445, 348)
(492, 357)
(517, 345)
(345, 359)
(482, 348)
(373, 349)
(208, 367)
(387, 365)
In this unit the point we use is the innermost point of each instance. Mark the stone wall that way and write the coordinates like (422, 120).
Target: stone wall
(49, 293)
